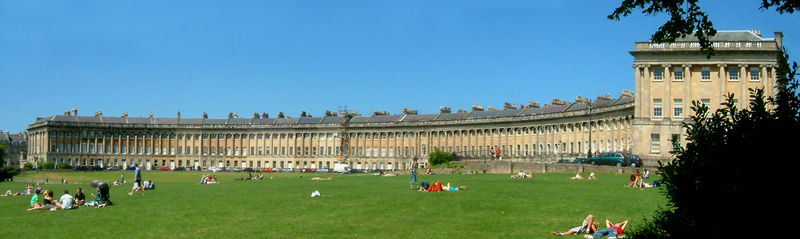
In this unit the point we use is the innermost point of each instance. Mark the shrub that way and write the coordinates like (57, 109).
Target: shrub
(27, 166)
(8, 172)
(439, 157)
(45, 165)
(63, 166)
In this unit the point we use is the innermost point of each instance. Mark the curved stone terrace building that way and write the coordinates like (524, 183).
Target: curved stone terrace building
(531, 133)
(668, 78)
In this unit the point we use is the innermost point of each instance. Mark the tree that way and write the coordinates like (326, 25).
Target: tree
(728, 168)
(3, 147)
(440, 157)
(686, 18)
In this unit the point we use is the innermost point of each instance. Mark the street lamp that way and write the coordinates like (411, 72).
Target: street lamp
(589, 144)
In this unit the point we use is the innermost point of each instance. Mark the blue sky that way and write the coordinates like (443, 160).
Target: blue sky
(268, 56)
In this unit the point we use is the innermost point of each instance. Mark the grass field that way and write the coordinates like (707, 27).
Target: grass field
(352, 206)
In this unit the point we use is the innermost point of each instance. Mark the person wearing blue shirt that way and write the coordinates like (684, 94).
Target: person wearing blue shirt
(137, 177)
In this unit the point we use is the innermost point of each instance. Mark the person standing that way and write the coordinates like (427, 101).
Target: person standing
(137, 178)
(414, 165)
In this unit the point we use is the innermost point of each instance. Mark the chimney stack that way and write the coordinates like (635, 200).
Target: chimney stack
(559, 102)
(627, 93)
(280, 114)
(444, 110)
(477, 108)
(533, 104)
(377, 112)
(779, 39)
(265, 115)
(302, 113)
(75, 111)
(409, 111)
(509, 106)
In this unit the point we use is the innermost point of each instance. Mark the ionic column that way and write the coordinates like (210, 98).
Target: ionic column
(687, 69)
(744, 79)
(722, 81)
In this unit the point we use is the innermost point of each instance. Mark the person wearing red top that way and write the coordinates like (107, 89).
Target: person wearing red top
(613, 230)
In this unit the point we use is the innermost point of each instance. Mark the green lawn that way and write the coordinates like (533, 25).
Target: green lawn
(352, 206)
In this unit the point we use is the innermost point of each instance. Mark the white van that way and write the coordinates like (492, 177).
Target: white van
(341, 168)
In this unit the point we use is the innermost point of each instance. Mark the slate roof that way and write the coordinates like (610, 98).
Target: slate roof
(310, 120)
(423, 117)
(456, 116)
(600, 103)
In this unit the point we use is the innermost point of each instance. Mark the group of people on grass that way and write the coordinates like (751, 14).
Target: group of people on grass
(208, 179)
(29, 189)
(429, 187)
(439, 187)
(637, 180)
(67, 201)
(589, 229)
(251, 177)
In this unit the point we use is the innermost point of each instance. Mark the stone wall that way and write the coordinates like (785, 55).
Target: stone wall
(507, 167)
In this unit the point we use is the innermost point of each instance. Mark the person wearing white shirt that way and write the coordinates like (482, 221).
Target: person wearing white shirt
(66, 201)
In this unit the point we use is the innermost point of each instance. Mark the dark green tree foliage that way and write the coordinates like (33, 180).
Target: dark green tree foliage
(686, 18)
(440, 157)
(731, 176)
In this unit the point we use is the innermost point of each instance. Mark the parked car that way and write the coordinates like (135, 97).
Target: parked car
(309, 170)
(97, 168)
(634, 160)
(214, 169)
(81, 168)
(579, 160)
(323, 170)
(165, 169)
(357, 171)
(287, 170)
(179, 169)
(268, 170)
(609, 158)
(131, 168)
(231, 169)
(248, 170)
(563, 161)
(113, 168)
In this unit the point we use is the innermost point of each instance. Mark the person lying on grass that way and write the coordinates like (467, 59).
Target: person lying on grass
(613, 230)
(587, 227)
(522, 174)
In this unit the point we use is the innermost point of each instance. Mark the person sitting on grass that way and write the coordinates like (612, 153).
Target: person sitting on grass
(589, 226)
(66, 201)
(577, 177)
(80, 199)
(35, 205)
(591, 176)
(49, 202)
(149, 185)
(612, 230)
(632, 181)
(102, 198)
